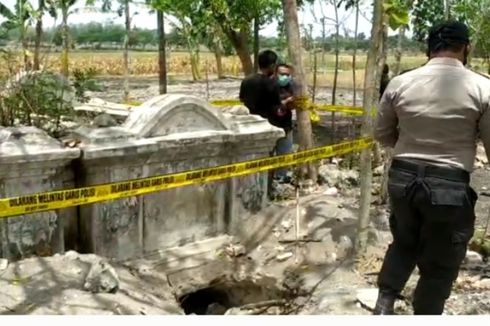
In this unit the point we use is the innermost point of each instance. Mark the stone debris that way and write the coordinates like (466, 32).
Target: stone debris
(235, 250)
(104, 121)
(331, 191)
(367, 298)
(472, 259)
(3, 264)
(378, 171)
(236, 110)
(286, 225)
(216, 309)
(102, 278)
(340, 178)
(306, 187)
(284, 256)
(481, 156)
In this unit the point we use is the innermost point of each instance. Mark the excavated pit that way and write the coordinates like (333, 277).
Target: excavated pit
(233, 297)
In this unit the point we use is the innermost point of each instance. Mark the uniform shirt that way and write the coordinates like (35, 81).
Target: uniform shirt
(435, 114)
(260, 94)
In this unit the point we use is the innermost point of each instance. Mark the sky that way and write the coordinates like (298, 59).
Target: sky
(144, 19)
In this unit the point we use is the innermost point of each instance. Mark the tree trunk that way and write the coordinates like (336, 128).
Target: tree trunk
(196, 73)
(127, 15)
(353, 122)
(240, 43)
(25, 47)
(383, 196)
(447, 9)
(399, 51)
(336, 71)
(66, 42)
(219, 62)
(294, 41)
(162, 55)
(354, 57)
(371, 84)
(377, 156)
(39, 35)
(256, 43)
(315, 73)
(324, 36)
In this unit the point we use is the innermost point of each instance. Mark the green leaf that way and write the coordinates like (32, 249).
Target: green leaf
(6, 12)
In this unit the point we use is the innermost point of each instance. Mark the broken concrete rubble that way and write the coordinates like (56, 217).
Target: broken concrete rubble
(101, 278)
(3, 264)
(472, 259)
(340, 178)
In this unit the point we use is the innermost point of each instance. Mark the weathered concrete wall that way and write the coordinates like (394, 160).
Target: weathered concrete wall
(168, 134)
(30, 162)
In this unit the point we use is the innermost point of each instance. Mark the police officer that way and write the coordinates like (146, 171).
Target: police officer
(432, 117)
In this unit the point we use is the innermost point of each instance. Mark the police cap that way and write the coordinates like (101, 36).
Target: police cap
(449, 32)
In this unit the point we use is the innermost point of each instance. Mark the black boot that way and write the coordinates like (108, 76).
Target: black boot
(385, 305)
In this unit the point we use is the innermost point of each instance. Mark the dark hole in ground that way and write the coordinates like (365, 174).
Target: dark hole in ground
(218, 298)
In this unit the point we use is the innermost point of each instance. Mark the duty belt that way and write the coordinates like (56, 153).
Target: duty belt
(420, 169)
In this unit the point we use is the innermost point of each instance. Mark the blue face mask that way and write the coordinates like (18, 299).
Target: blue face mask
(283, 80)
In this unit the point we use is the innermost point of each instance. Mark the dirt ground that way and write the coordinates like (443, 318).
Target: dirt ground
(265, 272)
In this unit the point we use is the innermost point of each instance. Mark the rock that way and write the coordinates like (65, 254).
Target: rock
(306, 187)
(336, 177)
(287, 224)
(483, 284)
(481, 156)
(373, 236)
(104, 120)
(331, 258)
(237, 110)
(378, 171)
(330, 173)
(235, 250)
(478, 165)
(3, 264)
(284, 256)
(345, 245)
(367, 297)
(101, 278)
(282, 191)
(484, 188)
(71, 255)
(331, 191)
(472, 259)
(381, 220)
(216, 309)
(351, 177)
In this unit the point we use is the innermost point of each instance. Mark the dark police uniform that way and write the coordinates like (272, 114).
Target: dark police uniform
(432, 117)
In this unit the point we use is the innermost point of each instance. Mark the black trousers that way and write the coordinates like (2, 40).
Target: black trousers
(432, 221)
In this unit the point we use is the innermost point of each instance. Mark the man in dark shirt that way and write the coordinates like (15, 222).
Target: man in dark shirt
(283, 116)
(259, 92)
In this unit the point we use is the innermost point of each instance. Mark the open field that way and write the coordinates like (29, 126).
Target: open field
(110, 63)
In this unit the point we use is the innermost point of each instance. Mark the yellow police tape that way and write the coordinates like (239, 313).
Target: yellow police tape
(304, 105)
(88, 195)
